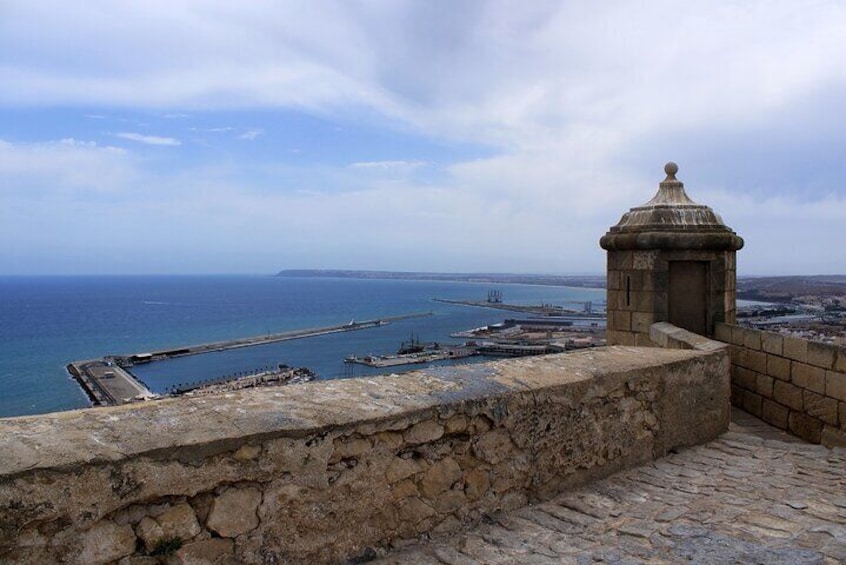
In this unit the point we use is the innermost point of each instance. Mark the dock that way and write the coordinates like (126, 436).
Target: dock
(428, 356)
(136, 358)
(107, 384)
(108, 381)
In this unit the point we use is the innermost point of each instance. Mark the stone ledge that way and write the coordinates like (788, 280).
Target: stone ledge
(334, 469)
(672, 337)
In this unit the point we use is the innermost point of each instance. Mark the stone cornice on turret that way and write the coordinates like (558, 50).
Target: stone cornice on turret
(671, 220)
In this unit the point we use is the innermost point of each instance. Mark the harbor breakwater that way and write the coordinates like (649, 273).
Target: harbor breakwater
(109, 381)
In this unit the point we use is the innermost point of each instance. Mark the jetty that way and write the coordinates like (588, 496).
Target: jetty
(109, 381)
(539, 310)
(426, 356)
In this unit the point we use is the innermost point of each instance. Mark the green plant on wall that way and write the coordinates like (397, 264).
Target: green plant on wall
(166, 546)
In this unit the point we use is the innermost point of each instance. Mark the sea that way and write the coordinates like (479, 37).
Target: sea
(48, 322)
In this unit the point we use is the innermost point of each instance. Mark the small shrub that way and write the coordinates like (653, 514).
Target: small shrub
(166, 546)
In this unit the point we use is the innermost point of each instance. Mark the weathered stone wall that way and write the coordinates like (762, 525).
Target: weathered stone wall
(330, 470)
(791, 383)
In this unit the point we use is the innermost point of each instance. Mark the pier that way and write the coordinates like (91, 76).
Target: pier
(108, 381)
(107, 384)
(129, 360)
(539, 310)
(427, 356)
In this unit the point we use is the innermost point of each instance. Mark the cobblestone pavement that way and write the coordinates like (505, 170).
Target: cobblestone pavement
(755, 495)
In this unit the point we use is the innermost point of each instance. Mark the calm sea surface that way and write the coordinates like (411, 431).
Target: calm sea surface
(47, 322)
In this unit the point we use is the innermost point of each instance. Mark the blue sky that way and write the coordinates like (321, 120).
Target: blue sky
(220, 137)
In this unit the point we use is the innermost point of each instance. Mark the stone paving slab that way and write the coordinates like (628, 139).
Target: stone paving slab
(755, 495)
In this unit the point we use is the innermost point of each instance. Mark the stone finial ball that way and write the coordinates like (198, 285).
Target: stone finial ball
(671, 169)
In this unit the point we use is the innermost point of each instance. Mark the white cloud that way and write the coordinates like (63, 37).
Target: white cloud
(580, 103)
(394, 167)
(213, 130)
(63, 167)
(251, 134)
(149, 139)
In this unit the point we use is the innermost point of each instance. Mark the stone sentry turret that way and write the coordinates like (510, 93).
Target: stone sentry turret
(669, 260)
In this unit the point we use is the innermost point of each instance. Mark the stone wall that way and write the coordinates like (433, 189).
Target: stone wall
(791, 383)
(334, 470)
(637, 290)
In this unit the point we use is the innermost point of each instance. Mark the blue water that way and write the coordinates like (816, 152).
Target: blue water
(47, 322)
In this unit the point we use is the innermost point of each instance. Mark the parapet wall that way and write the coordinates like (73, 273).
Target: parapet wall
(332, 470)
(791, 383)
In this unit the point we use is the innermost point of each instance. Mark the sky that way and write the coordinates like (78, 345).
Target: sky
(213, 136)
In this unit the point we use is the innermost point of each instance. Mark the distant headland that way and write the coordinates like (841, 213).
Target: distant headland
(584, 281)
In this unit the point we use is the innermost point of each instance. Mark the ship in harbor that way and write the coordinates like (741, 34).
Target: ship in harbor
(414, 352)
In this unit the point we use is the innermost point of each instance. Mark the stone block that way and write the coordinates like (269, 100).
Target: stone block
(623, 260)
(622, 338)
(659, 334)
(764, 385)
(788, 395)
(772, 343)
(796, 349)
(738, 335)
(644, 301)
(655, 281)
(439, 478)
(612, 280)
(737, 396)
(718, 282)
(833, 437)
(234, 512)
(756, 360)
(821, 355)
(644, 260)
(821, 407)
(247, 452)
(404, 489)
(808, 376)
(752, 339)
(455, 425)
(616, 300)
(840, 362)
(835, 385)
(743, 377)
(401, 468)
(644, 340)
(730, 260)
(660, 304)
(752, 403)
(778, 367)
(216, 550)
(350, 447)
(450, 501)
(107, 541)
(775, 414)
(730, 315)
(179, 521)
(494, 446)
(423, 432)
(149, 532)
(642, 321)
(476, 483)
(738, 355)
(414, 511)
(622, 321)
(841, 410)
(805, 427)
(722, 332)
